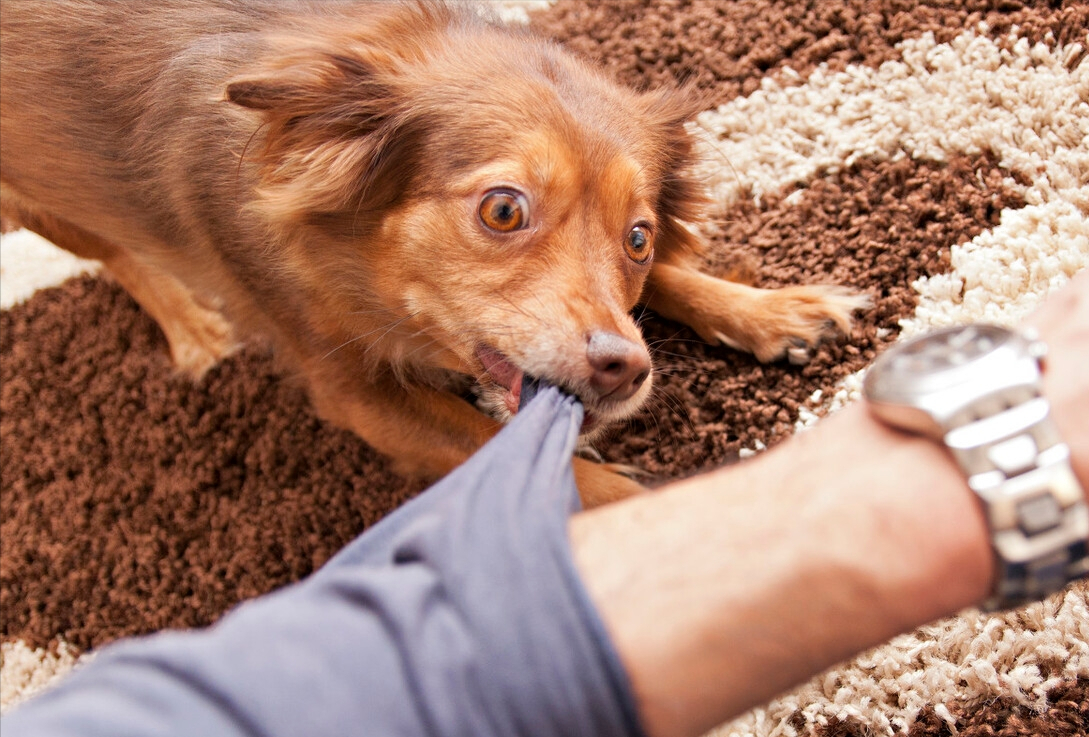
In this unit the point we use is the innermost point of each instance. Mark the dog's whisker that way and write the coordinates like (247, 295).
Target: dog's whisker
(387, 330)
(675, 338)
(661, 403)
(375, 311)
(656, 352)
(423, 346)
(519, 309)
(641, 315)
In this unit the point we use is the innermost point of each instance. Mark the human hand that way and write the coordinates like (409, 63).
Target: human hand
(1063, 323)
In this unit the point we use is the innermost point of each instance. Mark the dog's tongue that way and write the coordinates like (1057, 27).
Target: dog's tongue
(505, 373)
(498, 367)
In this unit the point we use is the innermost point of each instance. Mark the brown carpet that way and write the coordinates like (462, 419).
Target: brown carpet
(133, 500)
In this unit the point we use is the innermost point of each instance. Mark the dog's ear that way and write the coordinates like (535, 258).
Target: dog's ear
(338, 133)
(298, 79)
(270, 91)
(683, 198)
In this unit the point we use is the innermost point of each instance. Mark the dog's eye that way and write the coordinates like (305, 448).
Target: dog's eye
(504, 210)
(637, 244)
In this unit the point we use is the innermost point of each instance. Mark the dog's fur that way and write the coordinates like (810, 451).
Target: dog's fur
(314, 172)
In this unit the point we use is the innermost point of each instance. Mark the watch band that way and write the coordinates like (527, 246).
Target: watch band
(1018, 465)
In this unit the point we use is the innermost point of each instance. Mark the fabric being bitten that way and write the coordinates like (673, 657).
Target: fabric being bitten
(430, 623)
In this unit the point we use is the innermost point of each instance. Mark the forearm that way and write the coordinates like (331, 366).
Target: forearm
(726, 589)
(729, 588)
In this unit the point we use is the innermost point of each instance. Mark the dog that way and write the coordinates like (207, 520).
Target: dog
(406, 200)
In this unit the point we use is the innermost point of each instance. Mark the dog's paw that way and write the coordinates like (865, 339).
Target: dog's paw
(199, 337)
(783, 323)
(799, 318)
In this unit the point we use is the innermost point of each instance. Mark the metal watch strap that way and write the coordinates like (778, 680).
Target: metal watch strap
(1018, 465)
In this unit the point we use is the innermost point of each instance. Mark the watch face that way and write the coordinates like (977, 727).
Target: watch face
(948, 349)
(932, 362)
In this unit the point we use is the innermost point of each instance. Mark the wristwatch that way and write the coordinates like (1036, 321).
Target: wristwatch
(977, 390)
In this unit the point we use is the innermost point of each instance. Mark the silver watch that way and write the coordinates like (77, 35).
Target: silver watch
(977, 390)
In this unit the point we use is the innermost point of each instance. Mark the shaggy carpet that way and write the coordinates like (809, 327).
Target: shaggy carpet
(933, 155)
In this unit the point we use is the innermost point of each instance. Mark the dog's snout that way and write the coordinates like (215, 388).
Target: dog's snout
(620, 366)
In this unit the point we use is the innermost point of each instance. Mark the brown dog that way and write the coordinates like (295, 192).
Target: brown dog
(404, 198)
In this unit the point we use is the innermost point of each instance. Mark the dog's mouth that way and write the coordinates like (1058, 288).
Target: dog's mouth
(506, 374)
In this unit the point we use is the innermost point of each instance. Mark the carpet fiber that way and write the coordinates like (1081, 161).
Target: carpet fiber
(934, 156)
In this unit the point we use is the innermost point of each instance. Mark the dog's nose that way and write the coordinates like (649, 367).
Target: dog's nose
(620, 366)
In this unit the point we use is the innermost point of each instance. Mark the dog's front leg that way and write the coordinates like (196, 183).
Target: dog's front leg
(424, 431)
(599, 484)
(769, 323)
(198, 334)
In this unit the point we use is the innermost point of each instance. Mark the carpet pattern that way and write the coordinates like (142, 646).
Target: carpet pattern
(932, 155)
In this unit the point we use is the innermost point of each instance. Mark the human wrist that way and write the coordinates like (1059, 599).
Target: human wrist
(927, 537)
(977, 390)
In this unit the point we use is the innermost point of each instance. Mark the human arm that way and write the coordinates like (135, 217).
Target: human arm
(726, 589)
(460, 613)
(464, 613)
